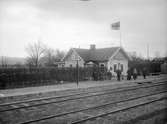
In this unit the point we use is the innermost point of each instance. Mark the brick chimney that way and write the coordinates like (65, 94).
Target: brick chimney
(92, 47)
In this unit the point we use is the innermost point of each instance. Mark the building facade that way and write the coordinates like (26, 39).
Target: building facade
(112, 58)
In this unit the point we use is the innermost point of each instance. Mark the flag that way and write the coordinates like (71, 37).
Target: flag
(115, 26)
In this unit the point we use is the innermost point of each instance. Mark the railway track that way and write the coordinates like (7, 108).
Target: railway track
(107, 108)
(75, 98)
(124, 107)
(58, 99)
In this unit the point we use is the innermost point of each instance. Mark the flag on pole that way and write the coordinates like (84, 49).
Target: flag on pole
(115, 26)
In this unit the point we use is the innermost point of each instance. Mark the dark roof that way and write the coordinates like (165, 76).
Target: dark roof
(102, 54)
(84, 53)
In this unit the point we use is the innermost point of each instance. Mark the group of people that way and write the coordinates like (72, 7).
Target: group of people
(133, 73)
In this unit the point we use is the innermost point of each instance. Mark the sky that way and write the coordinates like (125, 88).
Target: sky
(64, 24)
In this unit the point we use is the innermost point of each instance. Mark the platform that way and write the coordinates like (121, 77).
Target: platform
(68, 86)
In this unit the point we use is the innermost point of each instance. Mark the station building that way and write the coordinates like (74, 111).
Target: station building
(112, 58)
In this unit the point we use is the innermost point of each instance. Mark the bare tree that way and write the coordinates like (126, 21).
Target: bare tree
(35, 53)
(59, 55)
(51, 56)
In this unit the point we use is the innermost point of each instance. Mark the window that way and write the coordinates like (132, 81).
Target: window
(115, 67)
(119, 66)
(102, 65)
(122, 67)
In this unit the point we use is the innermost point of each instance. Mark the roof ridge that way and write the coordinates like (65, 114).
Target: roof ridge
(97, 48)
(108, 47)
(81, 48)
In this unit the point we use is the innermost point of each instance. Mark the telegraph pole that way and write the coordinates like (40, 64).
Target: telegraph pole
(77, 59)
(77, 73)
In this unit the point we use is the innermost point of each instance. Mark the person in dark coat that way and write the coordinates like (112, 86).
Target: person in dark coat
(129, 74)
(144, 73)
(118, 74)
(95, 75)
(134, 74)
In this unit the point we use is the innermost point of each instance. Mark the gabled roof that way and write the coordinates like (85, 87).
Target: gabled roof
(83, 53)
(102, 54)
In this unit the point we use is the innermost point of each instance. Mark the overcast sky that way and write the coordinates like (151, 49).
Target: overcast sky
(64, 24)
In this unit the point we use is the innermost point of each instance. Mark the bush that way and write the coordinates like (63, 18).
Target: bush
(22, 77)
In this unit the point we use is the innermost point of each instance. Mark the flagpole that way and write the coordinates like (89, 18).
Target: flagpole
(120, 33)
(120, 38)
(116, 26)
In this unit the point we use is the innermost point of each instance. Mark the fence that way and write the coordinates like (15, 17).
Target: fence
(164, 68)
(23, 77)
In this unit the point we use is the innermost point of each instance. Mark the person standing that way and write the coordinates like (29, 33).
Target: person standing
(109, 73)
(144, 73)
(134, 74)
(129, 74)
(118, 73)
(95, 75)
